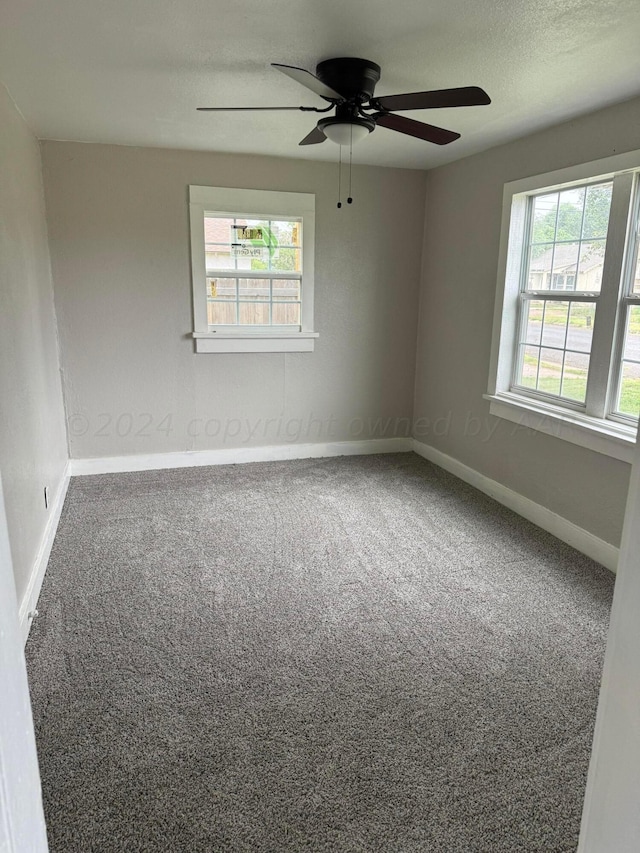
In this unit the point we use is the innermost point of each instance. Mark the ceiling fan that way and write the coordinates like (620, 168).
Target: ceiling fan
(348, 84)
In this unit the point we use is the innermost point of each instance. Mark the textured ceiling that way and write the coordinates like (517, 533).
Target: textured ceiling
(134, 71)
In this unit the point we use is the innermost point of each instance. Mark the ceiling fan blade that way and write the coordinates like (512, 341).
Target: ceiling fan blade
(419, 129)
(240, 109)
(466, 96)
(306, 78)
(314, 138)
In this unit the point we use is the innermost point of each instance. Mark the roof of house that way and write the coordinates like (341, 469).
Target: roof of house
(565, 259)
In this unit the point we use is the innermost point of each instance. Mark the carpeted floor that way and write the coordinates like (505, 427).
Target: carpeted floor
(354, 654)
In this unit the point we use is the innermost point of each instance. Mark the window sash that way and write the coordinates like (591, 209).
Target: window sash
(628, 299)
(269, 219)
(605, 361)
(602, 367)
(269, 301)
(520, 343)
(265, 275)
(627, 302)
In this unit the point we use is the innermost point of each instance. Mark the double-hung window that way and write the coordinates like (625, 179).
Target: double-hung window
(566, 348)
(252, 258)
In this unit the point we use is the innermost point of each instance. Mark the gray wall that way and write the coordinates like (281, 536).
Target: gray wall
(118, 222)
(33, 449)
(464, 208)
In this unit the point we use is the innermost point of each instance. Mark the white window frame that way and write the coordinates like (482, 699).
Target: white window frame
(592, 425)
(252, 204)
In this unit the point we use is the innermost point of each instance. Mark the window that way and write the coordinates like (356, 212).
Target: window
(252, 254)
(562, 281)
(566, 350)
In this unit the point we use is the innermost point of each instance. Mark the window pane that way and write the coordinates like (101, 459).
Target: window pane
(286, 289)
(254, 313)
(565, 264)
(540, 266)
(635, 286)
(580, 330)
(545, 208)
(632, 336)
(596, 213)
(254, 288)
(533, 328)
(629, 400)
(570, 210)
(529, 366)
(222, 288)
(287, 232)
(590, 266)
(285, 314)
(220, 258)
(221, 313)
(554, 327)
(629, 403)
(218, 230)
(574, 377)
(550, 371)
(287, 260)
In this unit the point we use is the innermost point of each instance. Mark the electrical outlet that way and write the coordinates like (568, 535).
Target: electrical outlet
(46, 497)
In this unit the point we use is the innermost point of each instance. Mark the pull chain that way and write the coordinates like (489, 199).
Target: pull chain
(349, 199)
(340, 178)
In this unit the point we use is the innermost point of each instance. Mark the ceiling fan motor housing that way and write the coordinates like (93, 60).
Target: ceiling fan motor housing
(355, 79)
(348, 84)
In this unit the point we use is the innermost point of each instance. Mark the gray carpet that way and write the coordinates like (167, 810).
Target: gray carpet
(354, 654)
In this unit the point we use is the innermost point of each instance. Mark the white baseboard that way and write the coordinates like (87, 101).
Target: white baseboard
(32, 592)
(599, 550)
(236, 455)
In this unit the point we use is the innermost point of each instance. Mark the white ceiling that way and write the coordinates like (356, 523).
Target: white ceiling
(134, 71)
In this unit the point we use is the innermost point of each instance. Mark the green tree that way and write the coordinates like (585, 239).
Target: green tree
(283, 260)
(569, 217)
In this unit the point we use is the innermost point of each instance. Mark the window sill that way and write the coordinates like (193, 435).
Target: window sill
(255, 342)
(606, 437)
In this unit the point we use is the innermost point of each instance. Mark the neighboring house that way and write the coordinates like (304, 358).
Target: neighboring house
(568, 267)
(218, 239)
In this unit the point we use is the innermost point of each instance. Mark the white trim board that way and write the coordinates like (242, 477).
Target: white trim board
(22, 828)
(32, 592)
(236, 455)
(563, 529)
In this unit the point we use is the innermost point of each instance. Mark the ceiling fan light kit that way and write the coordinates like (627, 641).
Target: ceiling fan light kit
(346, 131)
(348, 84)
